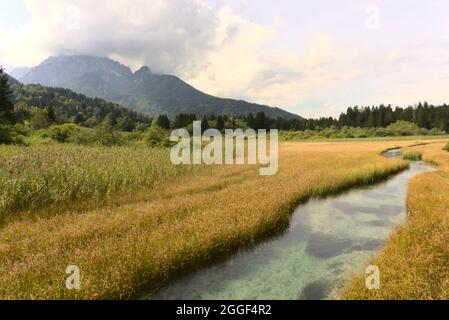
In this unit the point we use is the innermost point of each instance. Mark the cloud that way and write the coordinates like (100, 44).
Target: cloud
(307, 68)
(169, 36)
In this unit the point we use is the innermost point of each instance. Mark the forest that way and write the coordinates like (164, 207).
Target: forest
(59, 114)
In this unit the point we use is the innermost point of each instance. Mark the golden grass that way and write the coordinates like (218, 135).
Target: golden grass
(415, 263)
(126, 249)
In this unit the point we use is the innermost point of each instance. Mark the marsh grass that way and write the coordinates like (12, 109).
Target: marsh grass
(143, 242)
(414, 264)
(52, 177)
(412, 156)
(446, 147)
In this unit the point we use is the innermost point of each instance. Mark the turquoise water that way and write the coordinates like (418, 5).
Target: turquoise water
(327, 240)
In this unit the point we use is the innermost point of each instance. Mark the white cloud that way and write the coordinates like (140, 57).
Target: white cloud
(168, 35)
(226, 54)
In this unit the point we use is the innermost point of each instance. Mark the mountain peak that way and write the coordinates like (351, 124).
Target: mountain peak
(144, 91)
(59, 70)
(142, 74)
(143, 70)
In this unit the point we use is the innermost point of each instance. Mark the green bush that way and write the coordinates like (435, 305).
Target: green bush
(405, 128)
(157, 137)
(107, 136)
(63, 133)
(412, 156)
(83, 136)
(5, 134)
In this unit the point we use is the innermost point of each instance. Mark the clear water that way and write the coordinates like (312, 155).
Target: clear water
(327, 240)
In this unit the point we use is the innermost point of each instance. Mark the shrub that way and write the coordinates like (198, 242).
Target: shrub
(107, 136)
(405, 128)
(412, 156)
(5, 134)
(64, 132)
(157, 137)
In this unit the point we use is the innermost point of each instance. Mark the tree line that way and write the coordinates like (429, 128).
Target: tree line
(39, 107)
(424, 115)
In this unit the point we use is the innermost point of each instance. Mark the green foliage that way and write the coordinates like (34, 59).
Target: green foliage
(66, 106)
(412, 156)
(63, 133)
(6, 105)
(22, 112)
(204, 124)
(106, 135)
(398, 129)
(260, 121)
(38, 176)
(405, 128)
(220, 126)
(5, 134)
(42, 118)
(163, 122)
(157, 137)
(183, 120)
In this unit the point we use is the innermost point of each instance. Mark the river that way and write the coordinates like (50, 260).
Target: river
(328, 239)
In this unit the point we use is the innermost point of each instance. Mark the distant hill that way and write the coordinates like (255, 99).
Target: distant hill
(143, 91)
(77, 108)
(19, 72)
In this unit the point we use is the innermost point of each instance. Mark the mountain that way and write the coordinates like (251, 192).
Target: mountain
(142, 91)
(12, 81)
(19, 72)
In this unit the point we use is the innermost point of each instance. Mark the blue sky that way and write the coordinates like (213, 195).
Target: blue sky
(312, 58)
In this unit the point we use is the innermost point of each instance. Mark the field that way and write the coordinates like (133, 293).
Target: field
(131, 221)
(414, 264)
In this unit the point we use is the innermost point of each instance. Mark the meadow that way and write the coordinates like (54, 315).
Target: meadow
(157, 227)
(414, 265)
(47, 178)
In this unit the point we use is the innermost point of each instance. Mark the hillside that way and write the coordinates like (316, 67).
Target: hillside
(74, 107)
(143, 91)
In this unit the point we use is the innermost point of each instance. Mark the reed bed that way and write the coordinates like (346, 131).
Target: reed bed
(135, 248)
(414, 264)
(37, 177)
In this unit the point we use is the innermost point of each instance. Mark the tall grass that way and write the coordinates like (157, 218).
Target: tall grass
(446, 147)
(415, 263)
(123, 251)
(412, 156)
(41, 176)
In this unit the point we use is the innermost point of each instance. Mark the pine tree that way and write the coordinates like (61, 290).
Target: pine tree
(6, 105)
(220, 123)
(204, 124)
(163, 122)
(250, 121)
(260, 121)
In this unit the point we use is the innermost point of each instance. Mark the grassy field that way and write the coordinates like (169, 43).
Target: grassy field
(44, 179)
(414, 264)
(176, 221)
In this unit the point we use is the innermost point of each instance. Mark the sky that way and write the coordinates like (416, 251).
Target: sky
(313, 58)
